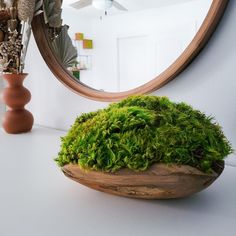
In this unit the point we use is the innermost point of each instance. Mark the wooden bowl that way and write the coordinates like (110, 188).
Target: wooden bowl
(160, 181)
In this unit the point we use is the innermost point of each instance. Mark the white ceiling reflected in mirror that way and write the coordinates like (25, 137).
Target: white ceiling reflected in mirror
(124, 44)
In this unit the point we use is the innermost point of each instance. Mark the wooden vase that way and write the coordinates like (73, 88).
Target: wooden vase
(17, 119)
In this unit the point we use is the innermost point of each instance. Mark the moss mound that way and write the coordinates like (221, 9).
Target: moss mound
(142, 130)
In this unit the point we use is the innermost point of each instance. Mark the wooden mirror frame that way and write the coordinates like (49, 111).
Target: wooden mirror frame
(203, 35)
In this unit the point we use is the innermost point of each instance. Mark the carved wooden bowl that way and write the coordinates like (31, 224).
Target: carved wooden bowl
(160, 181)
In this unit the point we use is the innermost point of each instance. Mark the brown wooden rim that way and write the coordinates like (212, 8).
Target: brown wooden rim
(205, 32)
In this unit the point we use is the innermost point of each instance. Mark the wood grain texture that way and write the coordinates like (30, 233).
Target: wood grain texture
(160, 181)
(200, 40)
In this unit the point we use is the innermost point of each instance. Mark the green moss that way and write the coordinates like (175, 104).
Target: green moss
(142, 130)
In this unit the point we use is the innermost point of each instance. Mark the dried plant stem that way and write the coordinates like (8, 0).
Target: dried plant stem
(26, 33)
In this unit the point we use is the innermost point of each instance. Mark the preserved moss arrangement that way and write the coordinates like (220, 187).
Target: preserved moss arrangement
(142, 130)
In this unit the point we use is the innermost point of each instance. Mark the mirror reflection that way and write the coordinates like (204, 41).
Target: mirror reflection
(124, 44)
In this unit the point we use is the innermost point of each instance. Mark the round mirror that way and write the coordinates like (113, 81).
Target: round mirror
(108, 49)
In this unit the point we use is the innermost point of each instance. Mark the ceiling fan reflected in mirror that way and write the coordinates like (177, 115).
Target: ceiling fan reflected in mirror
(98, 4)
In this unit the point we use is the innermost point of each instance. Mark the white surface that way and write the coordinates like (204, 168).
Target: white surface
(36, 199)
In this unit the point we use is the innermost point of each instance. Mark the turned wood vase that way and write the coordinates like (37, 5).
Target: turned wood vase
(17, 119)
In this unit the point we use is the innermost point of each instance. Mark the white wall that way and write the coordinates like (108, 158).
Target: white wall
(207, 84)
(79, 24)
(154, 31)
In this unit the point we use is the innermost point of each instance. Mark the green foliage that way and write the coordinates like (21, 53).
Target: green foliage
(142, 130)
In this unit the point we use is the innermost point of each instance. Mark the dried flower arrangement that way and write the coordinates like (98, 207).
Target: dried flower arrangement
(15, 31)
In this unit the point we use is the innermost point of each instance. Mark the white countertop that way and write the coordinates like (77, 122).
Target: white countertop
(36, 199)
